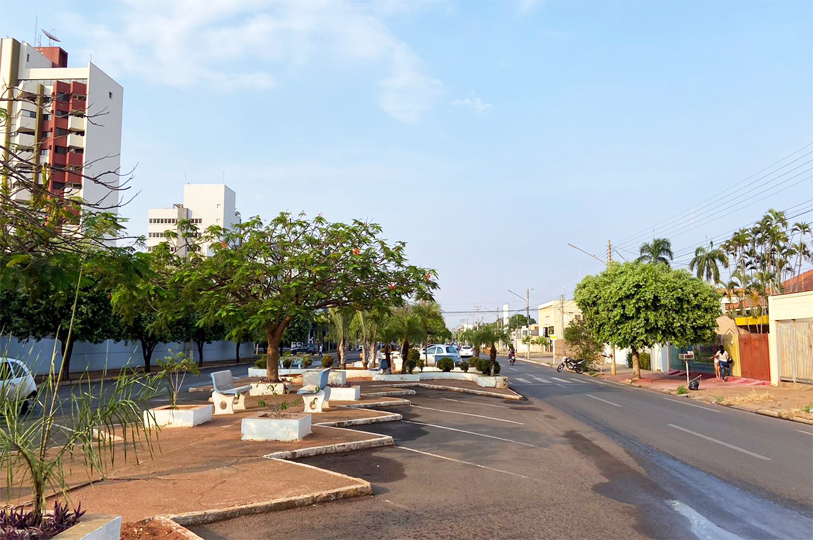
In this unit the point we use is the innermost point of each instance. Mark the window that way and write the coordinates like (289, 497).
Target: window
(78, 150)
(61, 150)
(46, 117)
(110, 95)
(451, 350)
(63, 97)
(62, 114)
(61, 132)
(29, 114)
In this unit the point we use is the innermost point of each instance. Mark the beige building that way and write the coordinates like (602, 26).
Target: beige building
(554, 316)
(790, 341)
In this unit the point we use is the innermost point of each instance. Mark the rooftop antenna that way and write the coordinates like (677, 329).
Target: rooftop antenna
(36, 27)
(51, 38)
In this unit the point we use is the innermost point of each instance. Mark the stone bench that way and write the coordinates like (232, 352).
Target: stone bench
(315, 392)
(227, 397)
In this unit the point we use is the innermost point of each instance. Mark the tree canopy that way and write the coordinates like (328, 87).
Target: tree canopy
(519, 320)
(636, 305)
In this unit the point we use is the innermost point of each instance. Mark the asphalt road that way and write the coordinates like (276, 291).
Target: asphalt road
(581, 459)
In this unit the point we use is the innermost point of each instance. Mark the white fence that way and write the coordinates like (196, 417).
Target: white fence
(112, 355)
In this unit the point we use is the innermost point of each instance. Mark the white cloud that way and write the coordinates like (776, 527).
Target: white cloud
(232, 43)
(474, 104)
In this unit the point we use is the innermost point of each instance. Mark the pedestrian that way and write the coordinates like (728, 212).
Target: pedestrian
(320, 350)
(721, 358)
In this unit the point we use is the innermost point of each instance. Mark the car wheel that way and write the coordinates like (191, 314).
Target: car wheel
(28, 404)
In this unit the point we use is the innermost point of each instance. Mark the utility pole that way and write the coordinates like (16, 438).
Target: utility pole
(612, 347)
(528, 322)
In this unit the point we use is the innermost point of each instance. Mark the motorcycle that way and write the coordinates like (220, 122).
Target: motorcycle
(571, 364)
(512, 357)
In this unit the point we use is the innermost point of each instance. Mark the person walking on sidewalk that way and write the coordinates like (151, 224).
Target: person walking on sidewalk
(721, 359)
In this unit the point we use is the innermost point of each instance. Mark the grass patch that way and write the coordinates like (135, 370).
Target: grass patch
(719, 400)
(751, 397)
(681, 390)
(808, 408)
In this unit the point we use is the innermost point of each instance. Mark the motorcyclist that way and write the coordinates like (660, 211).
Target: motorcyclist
(512, 355)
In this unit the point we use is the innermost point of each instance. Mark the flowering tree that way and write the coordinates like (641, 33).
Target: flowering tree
(264, 275)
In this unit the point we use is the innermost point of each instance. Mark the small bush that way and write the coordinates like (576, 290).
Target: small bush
(413, 354)
(307, 360)
(327, 361)
(464, 366)
(411, 364)
(681, 390)
(497, 368)
(719, 400)
(287, 353)
(807, 408)
(644, 360)
(445, 364)
(19, 523)
(261, 362)
(421, 364)
(287, 362)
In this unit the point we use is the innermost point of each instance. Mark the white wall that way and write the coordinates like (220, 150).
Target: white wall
(783, 308)
(111, 354)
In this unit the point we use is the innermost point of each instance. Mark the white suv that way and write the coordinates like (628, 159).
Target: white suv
(16, 383)
(436, 352)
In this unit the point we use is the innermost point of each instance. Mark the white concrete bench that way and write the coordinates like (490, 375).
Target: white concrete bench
(228, 398)
(317, 394)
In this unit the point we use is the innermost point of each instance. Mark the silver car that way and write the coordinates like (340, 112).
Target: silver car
(436, 352)
(16, 383)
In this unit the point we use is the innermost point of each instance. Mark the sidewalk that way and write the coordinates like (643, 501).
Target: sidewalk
(788, 400)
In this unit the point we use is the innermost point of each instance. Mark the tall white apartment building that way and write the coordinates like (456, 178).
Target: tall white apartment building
(62, 123)
(204, 205)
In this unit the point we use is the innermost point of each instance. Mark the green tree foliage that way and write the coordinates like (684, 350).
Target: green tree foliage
(659, 251)
(489, 335)
(267, 274)
(706, 262)
(519, 320)
(636, 305)
(408, 330)
(298, 331)
(580, 337)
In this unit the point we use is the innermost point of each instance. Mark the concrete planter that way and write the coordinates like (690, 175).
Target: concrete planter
(400, 377)
(265, 427)
(497, 381)
(502, 382)
(181, 416)
(353, 374)
(93, 527)
(260, 372)
(351, 393)
(337, 377)
(266, 389)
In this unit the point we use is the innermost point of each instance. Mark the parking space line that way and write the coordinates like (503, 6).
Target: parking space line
(476, 403)
(461, 461)
(467, 414)
(692, 405)
(468, 432)
(540, 379)
(561, 380)
(604, 400)
(737, 448)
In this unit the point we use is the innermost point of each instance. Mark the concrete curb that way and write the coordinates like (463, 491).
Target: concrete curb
(516, 396)
(274, 505)
(176, 527)
(389, 417)
(377, 442)
(400, 403)
(394, 393)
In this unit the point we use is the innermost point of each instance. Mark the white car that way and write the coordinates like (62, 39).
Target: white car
(466, 351)
(16, 383)
(394, 355)
(436, 352)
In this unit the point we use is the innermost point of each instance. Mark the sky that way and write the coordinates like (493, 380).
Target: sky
(488, 135)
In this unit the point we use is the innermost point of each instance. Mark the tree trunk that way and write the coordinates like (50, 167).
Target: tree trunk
(274, 336)
(636, 364)
(65, 369)
(342, 353)
(404, 356)
(237, 352)
(199, 345)
(493, 358)
(365, 354)
(388, 356)
(426, 353)
(147, 348)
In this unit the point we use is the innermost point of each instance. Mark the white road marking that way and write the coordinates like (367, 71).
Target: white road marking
(692, 405)
(461, 461)
(475, 403)
(561, 380)
(800, 431)
(737, 448)
(467, 414)
(524, 381)
(702, 527)
(540, 379)
(604, 400)
(468, 432)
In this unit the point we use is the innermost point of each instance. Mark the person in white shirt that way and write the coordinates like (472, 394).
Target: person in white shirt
(721, 362)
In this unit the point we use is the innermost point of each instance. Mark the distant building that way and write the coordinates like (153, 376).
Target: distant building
(63, 122)
(203, 205)
(554, 316)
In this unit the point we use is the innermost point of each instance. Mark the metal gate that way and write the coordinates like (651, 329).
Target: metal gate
(794, 346)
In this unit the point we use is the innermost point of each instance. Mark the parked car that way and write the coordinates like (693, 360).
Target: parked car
(436, 352)
(304, 349)
(466, 351)
(16, 383)
(394, 355)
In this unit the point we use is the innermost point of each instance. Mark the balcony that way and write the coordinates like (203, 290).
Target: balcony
(58, 177)
(78, 105)
(26, 124)
(74, 177)
(75, 141)
(75, 159)
(59, 160)
(76, 123)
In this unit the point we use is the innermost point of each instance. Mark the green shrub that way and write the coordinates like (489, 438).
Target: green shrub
(497, 368)
(421, 364)
(445, 364)
(644, 360)
(413, 354)
(411, 363)
(464, 366)
(327, 361)
(287, 362)
(261, 362)
(681, 390)
(307, 360)
(287, 353)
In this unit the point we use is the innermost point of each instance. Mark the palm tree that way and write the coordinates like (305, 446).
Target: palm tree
(369, 326)
(426, 312)
(705, 262)
(801, 249)
(657, 251)
(408, 330)
(388, 334)
(341, 317)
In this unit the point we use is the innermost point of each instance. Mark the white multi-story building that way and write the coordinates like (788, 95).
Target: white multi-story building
(203, 205)
(63, 123)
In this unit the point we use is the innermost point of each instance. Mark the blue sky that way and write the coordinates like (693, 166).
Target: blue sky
(488, 135)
